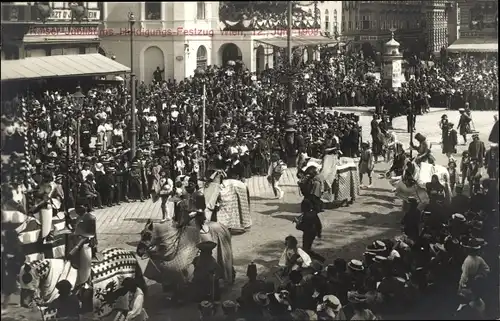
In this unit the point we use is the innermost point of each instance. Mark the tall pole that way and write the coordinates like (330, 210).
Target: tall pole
(203, 127)
(78, 139)
(133, 130)
(290, 58)
(411, 131)
(67, 188)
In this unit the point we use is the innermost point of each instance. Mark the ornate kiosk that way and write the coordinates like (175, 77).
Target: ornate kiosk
(392, 72)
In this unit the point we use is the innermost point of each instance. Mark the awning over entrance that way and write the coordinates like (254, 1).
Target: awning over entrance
(60, 66)
(474, 45)
(298, 41)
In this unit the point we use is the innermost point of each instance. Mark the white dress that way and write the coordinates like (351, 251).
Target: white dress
(133, 303)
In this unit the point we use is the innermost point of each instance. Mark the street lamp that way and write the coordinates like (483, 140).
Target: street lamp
(200, 72)
(77, 108)
(133, 130)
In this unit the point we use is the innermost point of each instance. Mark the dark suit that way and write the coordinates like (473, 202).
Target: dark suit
(477, 150)
(89, 194)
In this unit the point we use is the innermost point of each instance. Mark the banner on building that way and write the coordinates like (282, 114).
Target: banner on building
(65, 14)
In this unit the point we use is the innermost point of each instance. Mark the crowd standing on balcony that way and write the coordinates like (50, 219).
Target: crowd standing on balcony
(263, 15)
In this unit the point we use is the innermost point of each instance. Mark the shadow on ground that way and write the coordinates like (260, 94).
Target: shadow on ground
(282, 208)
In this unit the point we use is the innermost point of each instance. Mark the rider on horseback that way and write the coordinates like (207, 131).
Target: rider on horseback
(85, 250)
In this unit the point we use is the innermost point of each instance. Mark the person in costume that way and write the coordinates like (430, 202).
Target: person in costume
(207, 274)
(274, 173)
(366, 163)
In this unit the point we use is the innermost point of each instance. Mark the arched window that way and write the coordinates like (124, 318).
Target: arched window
(335, 19)
(327, 20)
(201, 57)
(318, 16)
(200, 10)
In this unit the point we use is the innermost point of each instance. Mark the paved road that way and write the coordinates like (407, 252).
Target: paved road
(375, 215)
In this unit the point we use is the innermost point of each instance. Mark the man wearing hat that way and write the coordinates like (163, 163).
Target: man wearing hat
(83, 245)
(460, 202)
(136, 173)
(66, 304)
(477, 149)
(235, 169)
(207, 310)
(411, 219)
(464, 124)
(252, 287)
(491, 161)
(207, 274)
(474, 267)
(89, 194)
(49, 202)
(311, 186)
(331, 308)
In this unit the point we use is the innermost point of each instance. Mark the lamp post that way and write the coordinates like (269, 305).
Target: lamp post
(133, 130)
(172, 116)
(200, 72)
(78, 106)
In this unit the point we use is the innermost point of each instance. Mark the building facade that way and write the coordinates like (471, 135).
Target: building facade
(478, 19)
(420, 26)
(436, 24)
(178, 37)
(35, 29)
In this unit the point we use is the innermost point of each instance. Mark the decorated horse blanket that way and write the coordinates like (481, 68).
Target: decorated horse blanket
(107, 276)
(29, 228)
(178, 247)
(234, 211)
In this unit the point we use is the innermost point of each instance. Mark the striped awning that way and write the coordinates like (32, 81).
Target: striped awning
(474, 45)
(60, 66)
(298, 41)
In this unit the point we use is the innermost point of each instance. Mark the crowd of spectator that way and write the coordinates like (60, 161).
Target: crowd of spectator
(451, 257)
(264, 15)
(244, 110)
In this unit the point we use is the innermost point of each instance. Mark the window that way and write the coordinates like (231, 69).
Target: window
(349, 25)
(153, 10)
(200, 10)
(93, 5)
(327, 20)
(335, 15)
(201, 57)
(357, 25)
(59, 5)
(365, 21)
(343, 25)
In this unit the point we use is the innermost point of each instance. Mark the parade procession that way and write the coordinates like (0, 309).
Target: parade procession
(305, 177)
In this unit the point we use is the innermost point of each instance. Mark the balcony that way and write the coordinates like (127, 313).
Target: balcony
(43, 12)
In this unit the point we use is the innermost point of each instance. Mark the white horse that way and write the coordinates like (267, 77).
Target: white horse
(422, 174)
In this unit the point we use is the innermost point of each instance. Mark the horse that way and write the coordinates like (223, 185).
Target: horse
(414, 179)
(38, 281)
(233, 197)
(174, 270)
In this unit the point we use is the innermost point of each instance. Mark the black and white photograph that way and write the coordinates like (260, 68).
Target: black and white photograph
(250, 160)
